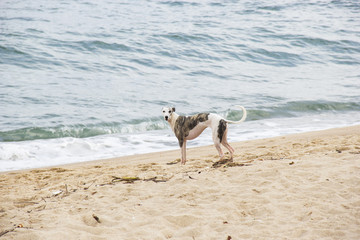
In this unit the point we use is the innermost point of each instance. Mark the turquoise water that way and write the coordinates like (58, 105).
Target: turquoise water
(81, 80)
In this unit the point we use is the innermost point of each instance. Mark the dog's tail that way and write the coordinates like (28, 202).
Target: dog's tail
(242, 119)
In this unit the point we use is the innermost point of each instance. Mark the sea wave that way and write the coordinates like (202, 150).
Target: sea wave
(293, 109)
(288, 110)
(81, 130)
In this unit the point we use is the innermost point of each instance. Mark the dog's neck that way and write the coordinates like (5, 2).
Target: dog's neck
(172, 120)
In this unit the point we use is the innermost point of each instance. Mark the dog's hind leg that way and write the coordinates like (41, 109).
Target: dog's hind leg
(231, 150)
(218, 147)
(217, 144)
(227, 145)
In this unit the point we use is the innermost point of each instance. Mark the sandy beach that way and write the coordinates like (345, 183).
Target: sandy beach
(301, 186)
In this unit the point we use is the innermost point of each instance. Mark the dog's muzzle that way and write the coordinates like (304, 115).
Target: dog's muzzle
(166, 118)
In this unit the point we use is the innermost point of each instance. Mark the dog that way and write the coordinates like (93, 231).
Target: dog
(190, 127)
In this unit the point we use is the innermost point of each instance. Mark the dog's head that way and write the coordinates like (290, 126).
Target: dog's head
(167, 112)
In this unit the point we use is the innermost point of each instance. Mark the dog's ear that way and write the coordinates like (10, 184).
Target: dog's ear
(173, 109)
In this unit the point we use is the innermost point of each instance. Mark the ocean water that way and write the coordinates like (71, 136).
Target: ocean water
(83, 80)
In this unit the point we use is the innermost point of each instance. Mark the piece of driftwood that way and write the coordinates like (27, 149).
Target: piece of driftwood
(12, 229)
(124, 179)
(173, 162)
(155, 179)
(134, 179)
(6, 231)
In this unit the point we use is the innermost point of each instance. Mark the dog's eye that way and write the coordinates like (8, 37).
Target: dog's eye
(164, 111)
(169, 111)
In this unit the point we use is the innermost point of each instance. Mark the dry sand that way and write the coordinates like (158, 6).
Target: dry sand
(302, 186)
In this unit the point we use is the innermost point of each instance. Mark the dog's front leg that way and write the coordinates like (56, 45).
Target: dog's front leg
(183, 151)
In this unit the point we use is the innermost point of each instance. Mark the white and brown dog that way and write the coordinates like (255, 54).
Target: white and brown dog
(189, 128)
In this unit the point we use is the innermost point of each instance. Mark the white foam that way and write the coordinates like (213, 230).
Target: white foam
(41, 153)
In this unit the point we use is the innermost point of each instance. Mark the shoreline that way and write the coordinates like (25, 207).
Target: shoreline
(303, 185)
(172, 153)
(60, 151)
